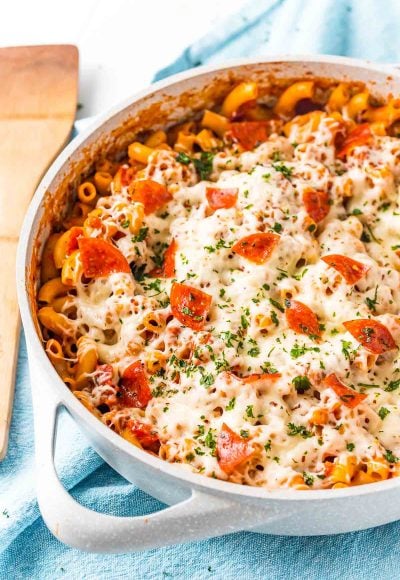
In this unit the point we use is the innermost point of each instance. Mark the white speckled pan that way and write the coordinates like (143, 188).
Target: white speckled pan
(200, 507)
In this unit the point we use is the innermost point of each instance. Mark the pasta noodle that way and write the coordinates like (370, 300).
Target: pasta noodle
(241, 94)
(292, 95)
(87, 192)
(102, 181)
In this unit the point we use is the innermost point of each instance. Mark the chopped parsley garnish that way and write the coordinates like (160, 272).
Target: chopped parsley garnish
(183, 158)
(282, 274)
(308, 478)
(274, 318)
(249, 411)
(141, 235)
(210, 440)
(277, 227)
(368, 385)
(350, 447)
(254, 351)
(207, 379)
(200, 431)
(372, 302)
(244, 434)
(383, 412)
(277, 305)
(346, 346)
(268, 369)
(390, 457)
(301, 384)
(356, 211)
(204, 165)
(125, 224)
(298, 350)
(221, 365)
(220, 244)
(301, 430)
(231, 405)
(190, 313)
(267, 446)
(155, 285)
(229, 338)
(300, 276)
(392, 386)
(244, 321)
(284, 169)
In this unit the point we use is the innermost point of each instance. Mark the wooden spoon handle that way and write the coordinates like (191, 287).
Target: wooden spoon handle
(37, 109)
(9, 336)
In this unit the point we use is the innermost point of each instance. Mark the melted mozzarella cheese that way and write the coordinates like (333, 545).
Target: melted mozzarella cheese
(247, 332)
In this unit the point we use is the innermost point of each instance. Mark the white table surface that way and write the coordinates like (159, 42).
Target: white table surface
(122, 43)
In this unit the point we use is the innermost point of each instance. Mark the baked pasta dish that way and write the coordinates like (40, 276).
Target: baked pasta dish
(226, 294)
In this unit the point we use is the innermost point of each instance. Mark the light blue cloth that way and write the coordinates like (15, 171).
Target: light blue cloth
(359, 28)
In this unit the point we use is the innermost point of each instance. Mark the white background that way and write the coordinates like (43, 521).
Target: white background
(122, 43)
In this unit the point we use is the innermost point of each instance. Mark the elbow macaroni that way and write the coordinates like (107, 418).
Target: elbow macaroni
(241, 94)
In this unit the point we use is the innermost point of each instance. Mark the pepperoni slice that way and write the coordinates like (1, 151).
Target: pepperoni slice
(316, 203)
(151, 194)
(360, 135)
(249, 134)
(253, 378)
(189, 305)
(351, 270)
(134, 387)
(371, 334)
(232, 449)
(147, 438)
(72, 242)
(256, 377)
(302, 319)
(348, 396)
(221, 198)
(100, 258)
(256, 248)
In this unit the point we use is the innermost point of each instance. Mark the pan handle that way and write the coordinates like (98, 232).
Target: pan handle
(200, 516)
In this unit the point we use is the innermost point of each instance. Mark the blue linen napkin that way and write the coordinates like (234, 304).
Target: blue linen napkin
(359, 28)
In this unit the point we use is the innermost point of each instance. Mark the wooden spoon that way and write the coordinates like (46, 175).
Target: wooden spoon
(38, 101)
